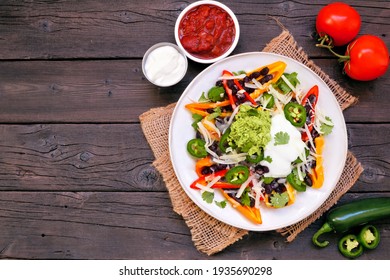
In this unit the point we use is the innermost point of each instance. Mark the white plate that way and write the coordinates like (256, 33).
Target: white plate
(335, 151)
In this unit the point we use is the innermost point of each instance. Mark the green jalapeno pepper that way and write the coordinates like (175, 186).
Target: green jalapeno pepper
(350, 247)
(295, 182)
(255, 158)
(223, 142)
(369, 237)
(237, 175)
(347, 216)
(196, 147)
(295, 113)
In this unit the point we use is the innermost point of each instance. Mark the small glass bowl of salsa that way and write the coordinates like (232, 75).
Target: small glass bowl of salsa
(207, 31)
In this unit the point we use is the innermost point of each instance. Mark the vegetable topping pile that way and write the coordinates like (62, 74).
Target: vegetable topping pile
(259, 139)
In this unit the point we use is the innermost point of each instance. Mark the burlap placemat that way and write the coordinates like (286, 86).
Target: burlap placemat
(208, 234)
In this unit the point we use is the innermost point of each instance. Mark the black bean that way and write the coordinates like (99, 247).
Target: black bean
(308, 181)
(267, 188)
(206, 170)
(280, 189)
(264, 71)
(218, 83)
(266, 78)
(255, 75)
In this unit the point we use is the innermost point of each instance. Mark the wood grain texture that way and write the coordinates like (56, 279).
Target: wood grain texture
(74, 29)
(106, 91)
(76, 174)
(76, 157)
(79, 225)
(116, 157)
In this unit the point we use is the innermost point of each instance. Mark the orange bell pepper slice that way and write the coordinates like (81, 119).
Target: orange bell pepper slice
(276, 69)
(251, 213)
(202, 163)
(317, 176)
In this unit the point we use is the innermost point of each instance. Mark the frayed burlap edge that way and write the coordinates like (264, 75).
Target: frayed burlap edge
(350, 174)
(208, 234)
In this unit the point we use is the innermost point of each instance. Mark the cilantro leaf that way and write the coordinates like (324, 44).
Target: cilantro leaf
(245, 199)
(292, 78)
(208, 196)
(268, 158)
(216, 93)
(221, 204)
(203, 98)
(281, 138)
(326, 128)
(279, 200)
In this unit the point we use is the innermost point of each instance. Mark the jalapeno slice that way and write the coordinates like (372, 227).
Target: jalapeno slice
(350, 247)
(295, 114)
(255, 158)
(295, 182)
(196, 147)
(237, 175)
(369, 237)
(223, 142)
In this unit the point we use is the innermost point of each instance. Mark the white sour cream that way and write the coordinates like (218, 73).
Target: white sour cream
(165, 66)
(282, 155)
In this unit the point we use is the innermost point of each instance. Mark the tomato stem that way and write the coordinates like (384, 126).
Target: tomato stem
(342, 58)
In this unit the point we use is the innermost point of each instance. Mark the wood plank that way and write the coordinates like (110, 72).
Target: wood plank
(64, 225)
(117, 91)
(84, 157)
(96, 29)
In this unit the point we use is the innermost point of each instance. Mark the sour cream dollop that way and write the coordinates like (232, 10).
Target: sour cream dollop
(281, 156)
(165, 66)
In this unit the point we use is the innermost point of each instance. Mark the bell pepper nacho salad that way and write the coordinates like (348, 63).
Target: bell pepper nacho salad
(258, 140)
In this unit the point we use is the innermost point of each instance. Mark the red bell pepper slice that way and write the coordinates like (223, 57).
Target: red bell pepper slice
(310, 101)
(239, 86)
(218, 185)
(228, 91)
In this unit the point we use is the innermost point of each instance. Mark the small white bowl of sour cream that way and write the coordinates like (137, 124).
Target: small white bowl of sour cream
(164, 64)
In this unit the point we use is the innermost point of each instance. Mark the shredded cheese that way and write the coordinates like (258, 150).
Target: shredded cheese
(243, 186)
(288, 83)
(238, 77)
(212, 126)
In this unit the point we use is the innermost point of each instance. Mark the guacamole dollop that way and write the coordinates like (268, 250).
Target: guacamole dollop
(250, 130)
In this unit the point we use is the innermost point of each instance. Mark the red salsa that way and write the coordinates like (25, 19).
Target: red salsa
(207, 31)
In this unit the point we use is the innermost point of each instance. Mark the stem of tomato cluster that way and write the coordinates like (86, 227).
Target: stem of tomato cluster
(342, 58)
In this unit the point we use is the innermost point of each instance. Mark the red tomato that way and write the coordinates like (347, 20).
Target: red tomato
(338, 21)
(368, 58)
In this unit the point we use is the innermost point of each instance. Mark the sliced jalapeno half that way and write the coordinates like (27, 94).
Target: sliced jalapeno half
(295, 114)
(237, 175)
(295, 182)
(196, 147)
(223, 142)
(369, 237)
(350, 247)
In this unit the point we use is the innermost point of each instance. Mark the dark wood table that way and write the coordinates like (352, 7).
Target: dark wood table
(76, 178)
